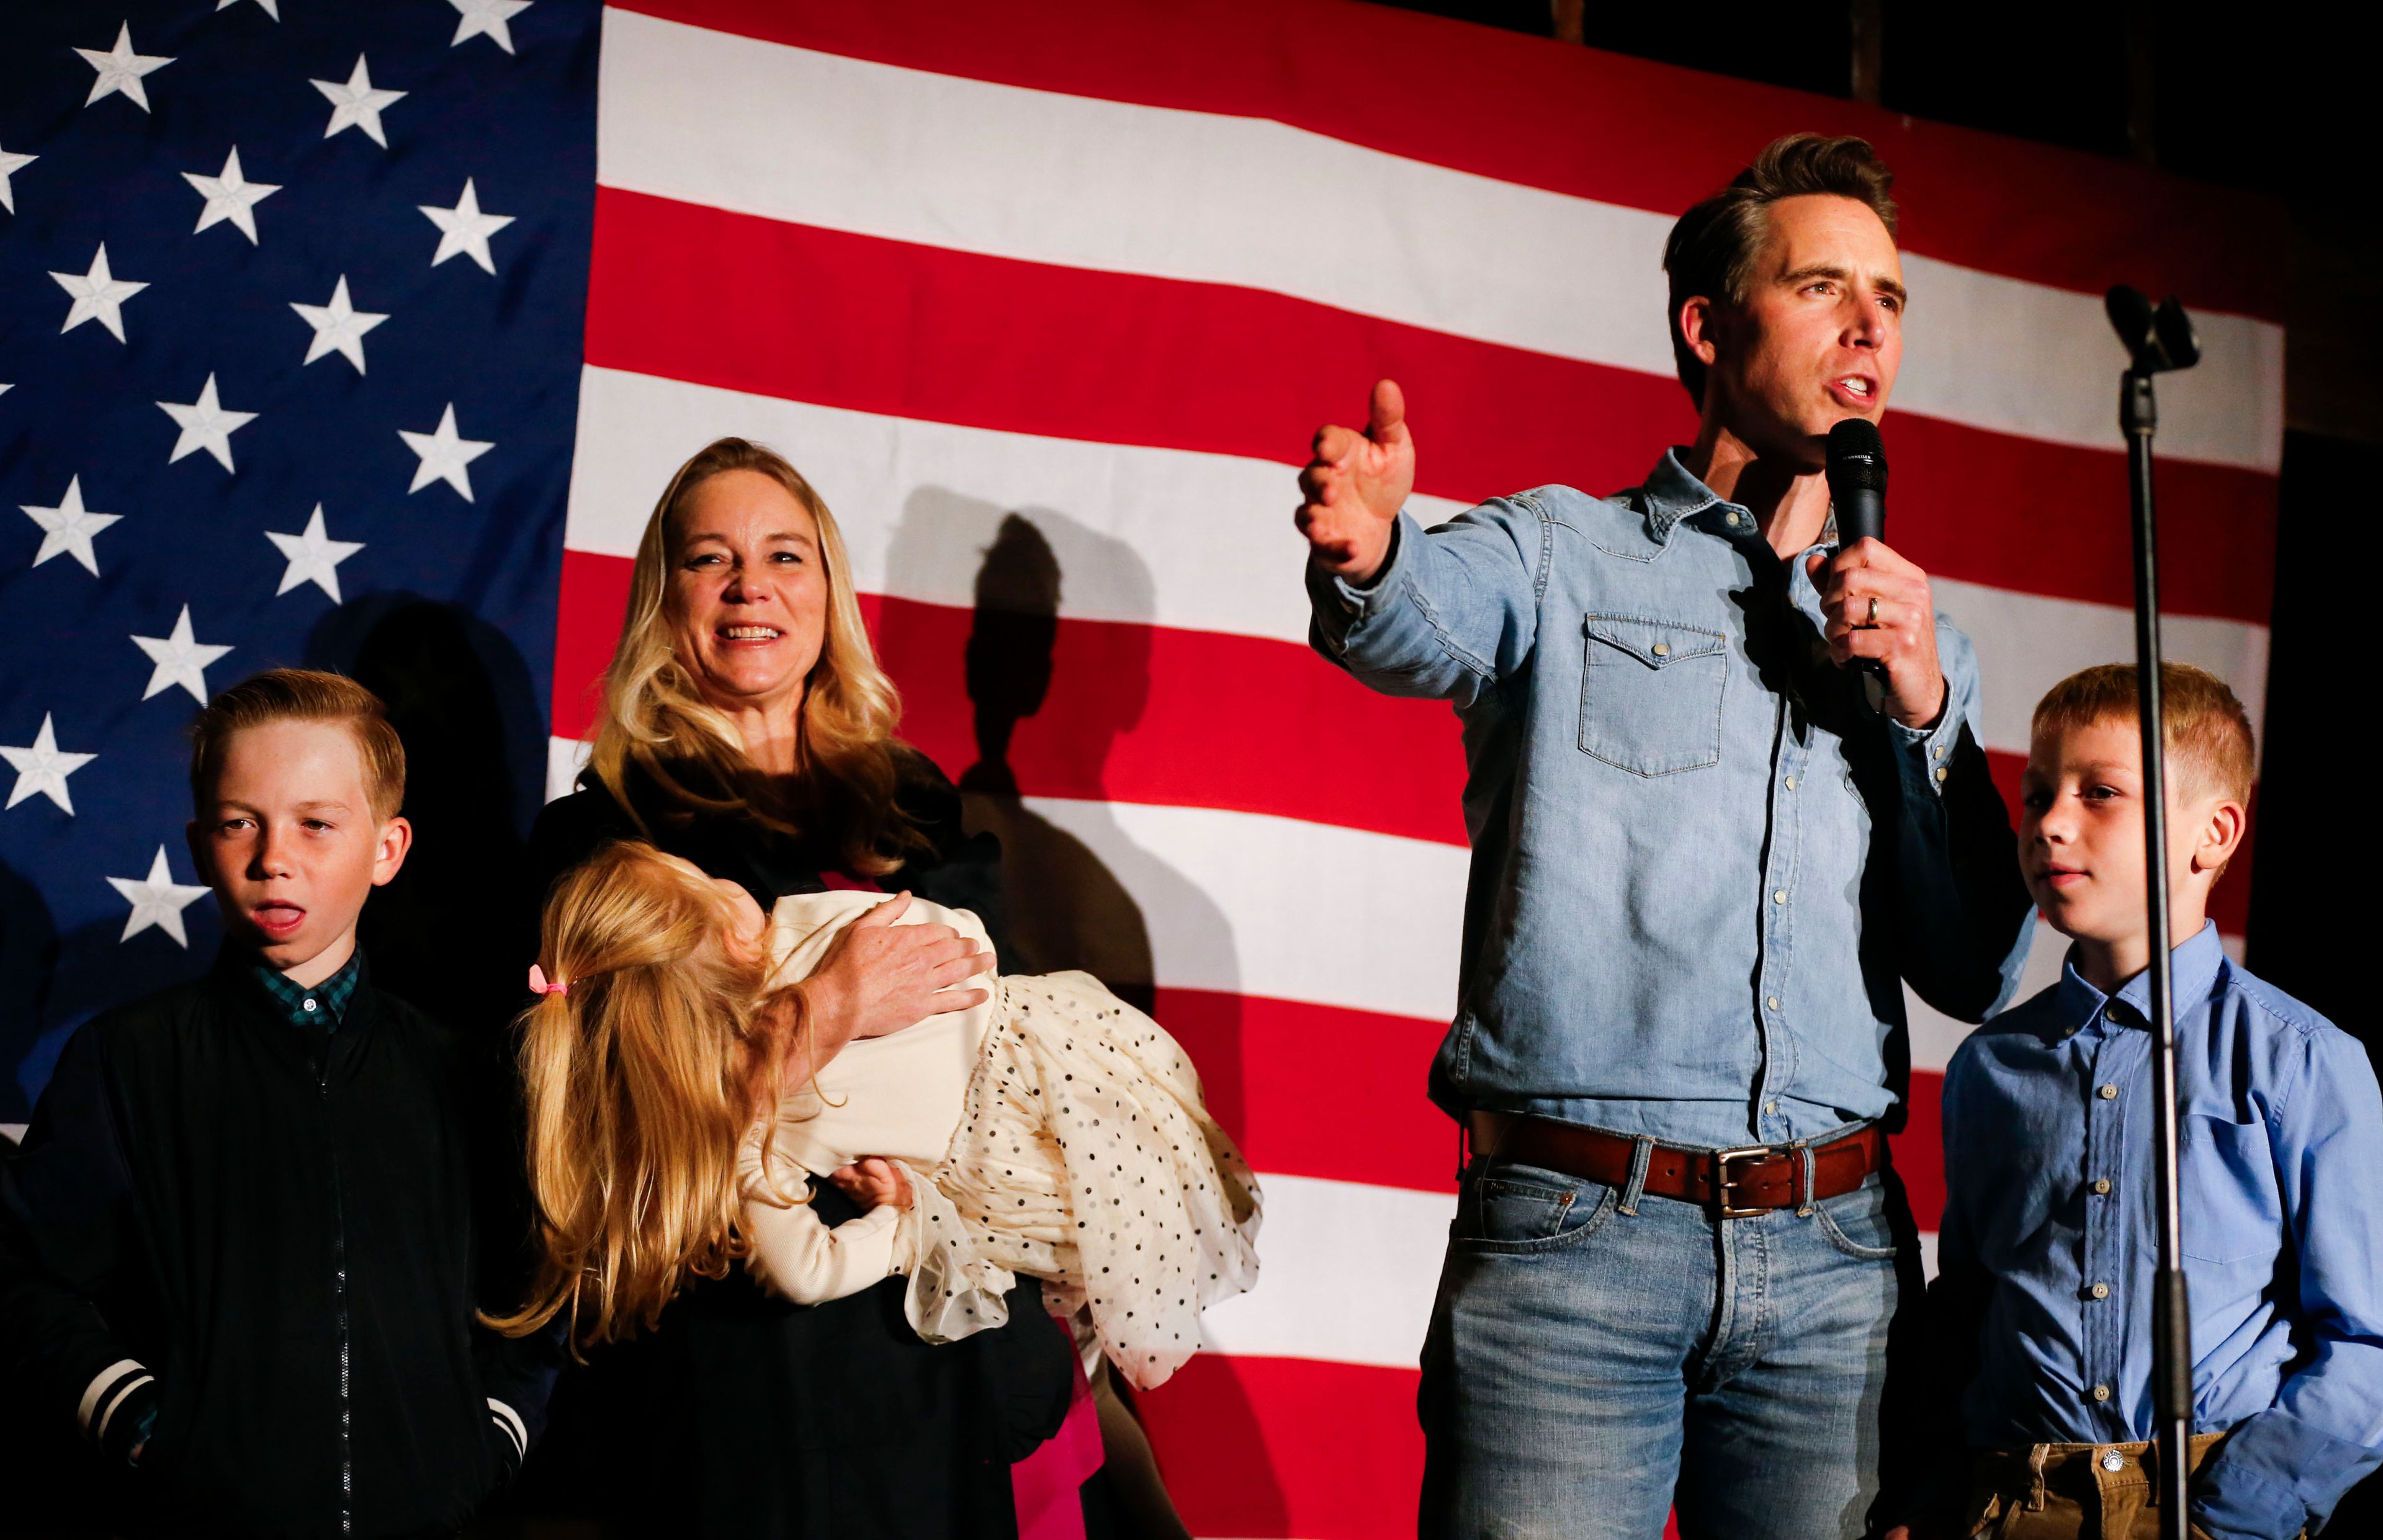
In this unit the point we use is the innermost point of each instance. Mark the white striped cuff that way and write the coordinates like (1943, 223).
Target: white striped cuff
(510, 1421)
(106, 1392)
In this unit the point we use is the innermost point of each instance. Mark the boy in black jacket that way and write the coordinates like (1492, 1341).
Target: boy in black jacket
(245, 1239)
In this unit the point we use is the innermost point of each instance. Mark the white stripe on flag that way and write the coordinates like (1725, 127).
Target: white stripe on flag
(1178, 538)
(819, 139)
(1346, 1274)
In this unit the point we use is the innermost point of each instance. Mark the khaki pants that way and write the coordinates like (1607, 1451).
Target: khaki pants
(2069, 1492)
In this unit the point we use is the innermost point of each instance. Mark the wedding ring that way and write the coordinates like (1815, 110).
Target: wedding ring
(1872, 624)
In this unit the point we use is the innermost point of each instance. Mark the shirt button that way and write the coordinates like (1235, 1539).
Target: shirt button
(1773, 1002)
(2101, 1392)
(1730, 519)
(1791, 782)
(2102, 1186)
(2100, 1291)
(1779, 895)
(1942, 773)
(1662, 649)
(1936, 753)
(2108, 1094)
(310, 1003)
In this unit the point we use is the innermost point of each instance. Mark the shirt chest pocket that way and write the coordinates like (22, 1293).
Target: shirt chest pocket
(1650, 694)
(2234, 1210)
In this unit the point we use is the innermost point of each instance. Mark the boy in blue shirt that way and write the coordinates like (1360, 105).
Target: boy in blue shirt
(2048, 1250)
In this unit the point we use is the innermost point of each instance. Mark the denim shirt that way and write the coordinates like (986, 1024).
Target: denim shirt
(2049, 1225)
(1702, 860)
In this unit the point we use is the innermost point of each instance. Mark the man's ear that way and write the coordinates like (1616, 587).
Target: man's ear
(1698, 320)
(2219, 834)
(389, 854)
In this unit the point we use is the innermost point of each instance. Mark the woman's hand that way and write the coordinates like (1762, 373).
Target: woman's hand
(879, 978)
(873, 1183)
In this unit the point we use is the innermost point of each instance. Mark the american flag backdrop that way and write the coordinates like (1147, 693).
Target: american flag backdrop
(1046, 300)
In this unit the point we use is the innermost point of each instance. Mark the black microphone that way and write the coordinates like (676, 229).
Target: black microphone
(1857, 480)
(1858, 491)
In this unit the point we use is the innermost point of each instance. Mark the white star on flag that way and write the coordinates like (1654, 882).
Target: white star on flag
(10, 164)
(181, 659)
(99, 295)
(444, 455)
(487, 18)
(120, 69)
(69, 527)
(42, 768)
(464, 231)
(230, 197)
(357, 104)
(158, 900)
(314, 557)
(339, 326)
(205, 425)
(270, 8)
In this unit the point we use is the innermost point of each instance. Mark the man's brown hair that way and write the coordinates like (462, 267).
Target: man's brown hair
(2209, 733)
(302, 695)
(1712, 250)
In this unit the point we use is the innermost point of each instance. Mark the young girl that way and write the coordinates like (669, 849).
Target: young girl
(1052, 1130)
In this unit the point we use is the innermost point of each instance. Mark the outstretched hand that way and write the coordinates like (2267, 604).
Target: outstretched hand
(873, 1183)
(1355, 487)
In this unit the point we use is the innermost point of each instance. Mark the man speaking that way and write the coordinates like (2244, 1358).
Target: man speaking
(1709, 841)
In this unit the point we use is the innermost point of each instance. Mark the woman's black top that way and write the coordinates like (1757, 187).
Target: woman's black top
(742, 1415)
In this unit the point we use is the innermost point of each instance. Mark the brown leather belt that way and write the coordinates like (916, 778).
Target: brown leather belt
(1735, 1183)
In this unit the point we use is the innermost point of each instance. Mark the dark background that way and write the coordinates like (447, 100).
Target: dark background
(2265, 98)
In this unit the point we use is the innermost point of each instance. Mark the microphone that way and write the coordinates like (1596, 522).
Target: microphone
(1857, 492)
(1857, 480)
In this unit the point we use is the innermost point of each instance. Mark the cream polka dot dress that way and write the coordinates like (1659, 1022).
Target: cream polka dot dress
(1054, 1131)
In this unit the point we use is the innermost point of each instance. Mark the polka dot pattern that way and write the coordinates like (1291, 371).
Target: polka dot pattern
(1086, 1158)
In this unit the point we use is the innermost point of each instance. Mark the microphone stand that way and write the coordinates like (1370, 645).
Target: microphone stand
(2158, 340)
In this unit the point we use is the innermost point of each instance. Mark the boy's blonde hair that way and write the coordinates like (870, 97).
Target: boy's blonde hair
(642, 1074)
(2209, 733)
(300, 695)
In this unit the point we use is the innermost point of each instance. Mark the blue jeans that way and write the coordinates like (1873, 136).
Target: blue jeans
(1597, 1356)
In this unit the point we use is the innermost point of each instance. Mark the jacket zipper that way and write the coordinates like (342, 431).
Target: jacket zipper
(340, 1313)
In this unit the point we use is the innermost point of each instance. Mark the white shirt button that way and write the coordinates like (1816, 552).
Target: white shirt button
(1662, 649)
(2101, 1392)
(1791, 782)
(2108, 1094)
(2100, 1291)
(310, 1004)
(1773, 1002)
(1779, 895)
(1730, 519)
(1942, 772)
(2101, 1186)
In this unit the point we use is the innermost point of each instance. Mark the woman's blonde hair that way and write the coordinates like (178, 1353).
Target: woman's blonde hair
(656, 718)
(642, 1074)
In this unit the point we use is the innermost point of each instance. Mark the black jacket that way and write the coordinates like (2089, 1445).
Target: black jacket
(291, 1230)
(743, 1416)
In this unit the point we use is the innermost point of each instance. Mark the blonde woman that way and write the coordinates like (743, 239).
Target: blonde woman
(747, 728)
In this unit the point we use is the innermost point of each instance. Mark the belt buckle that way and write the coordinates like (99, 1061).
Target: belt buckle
(1724, 1186)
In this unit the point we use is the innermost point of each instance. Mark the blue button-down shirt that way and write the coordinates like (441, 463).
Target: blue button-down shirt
(2050, 1220)
(1702, 862)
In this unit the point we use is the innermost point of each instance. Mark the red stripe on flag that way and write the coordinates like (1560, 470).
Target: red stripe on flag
(1137, 713)
(1572, 120)
(731, 301)
(1314, 1090)
(1279, 1447)
(1920, 1149)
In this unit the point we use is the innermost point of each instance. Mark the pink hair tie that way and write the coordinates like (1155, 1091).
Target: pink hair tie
(538, 984)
